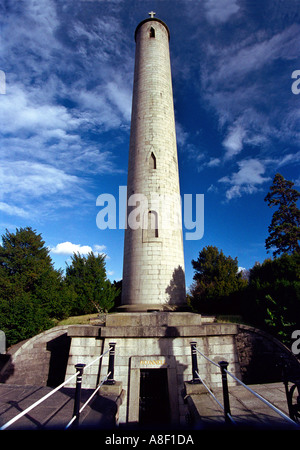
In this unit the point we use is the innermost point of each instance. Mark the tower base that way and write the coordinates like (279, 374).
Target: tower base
(152, 307)
(153, 341)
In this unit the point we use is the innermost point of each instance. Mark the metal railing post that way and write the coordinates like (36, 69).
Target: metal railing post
(195, 379)
(286, 386)
(223, 366)
(111, 364)
(79, 368)
(294, 410)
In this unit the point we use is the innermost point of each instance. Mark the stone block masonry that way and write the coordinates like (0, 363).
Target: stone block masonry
(153, 266)
(147, 341)
(153, 340)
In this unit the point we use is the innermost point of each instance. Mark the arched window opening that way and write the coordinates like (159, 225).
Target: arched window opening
(152, 224)
(152, 161)
(152, 32)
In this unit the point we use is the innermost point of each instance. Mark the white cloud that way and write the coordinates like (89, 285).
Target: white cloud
(24, 179)
(120, 96)
(290, 158)
(35, 190)
(99, 248)
(246, 180)
(213, 189)
(214, 162)
(68, 248)
(234, 141)
(22, 113)
(253, 53)
(220, 10)
(45, 143)
(242, 84)
(13, 210)
(43, 70)
(181, 134)
(43, 14)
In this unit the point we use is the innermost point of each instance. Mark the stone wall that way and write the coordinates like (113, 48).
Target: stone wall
(40, 361)
(152, 340)
(153, 268)
(155, 340)
(261, 356)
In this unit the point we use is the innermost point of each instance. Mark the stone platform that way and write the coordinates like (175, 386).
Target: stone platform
(153, 340)
(143, 342)
(153, 307)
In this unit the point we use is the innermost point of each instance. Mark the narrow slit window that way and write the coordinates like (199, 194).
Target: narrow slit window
(152, 161)
(152, 32)
(152, 224)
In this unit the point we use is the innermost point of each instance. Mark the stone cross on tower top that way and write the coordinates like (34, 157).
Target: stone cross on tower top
(152, 14)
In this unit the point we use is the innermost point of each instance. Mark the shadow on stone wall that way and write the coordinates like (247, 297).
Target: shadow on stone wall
(176, 288)
(166, 345)
(59, 349)
(7, 367)
(40, 360)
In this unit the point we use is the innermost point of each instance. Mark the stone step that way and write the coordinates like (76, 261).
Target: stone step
(153, 319)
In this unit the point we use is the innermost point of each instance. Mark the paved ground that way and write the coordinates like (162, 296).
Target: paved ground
(57, 410)
(246, 409)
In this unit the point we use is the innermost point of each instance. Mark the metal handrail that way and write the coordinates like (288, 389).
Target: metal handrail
(277, 410)
(208, 359)
(45, 397)
(222, 365)
(98, 358)
(214, 397)
(88, 401)
(21, 414)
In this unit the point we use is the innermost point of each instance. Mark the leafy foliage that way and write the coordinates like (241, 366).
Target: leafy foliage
(30, 288)
(86, 277)
(284, 230)
(269, 301)
(273, 296)
(33, 293)
(216, 278)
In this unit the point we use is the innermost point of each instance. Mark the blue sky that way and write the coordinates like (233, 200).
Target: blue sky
(65, 116)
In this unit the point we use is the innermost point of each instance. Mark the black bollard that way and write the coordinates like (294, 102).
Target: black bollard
(223, 365)
(111, 364)
(79, 368)
(195, 379)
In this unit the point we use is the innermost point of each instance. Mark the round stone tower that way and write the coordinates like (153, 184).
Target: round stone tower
(153, 268)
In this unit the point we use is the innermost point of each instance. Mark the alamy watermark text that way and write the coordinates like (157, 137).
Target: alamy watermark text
(155, 211)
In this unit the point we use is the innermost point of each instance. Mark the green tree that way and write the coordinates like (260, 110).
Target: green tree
(86, 277)
(273, 296)
(284, 230)
(216, 278)
(30, 288)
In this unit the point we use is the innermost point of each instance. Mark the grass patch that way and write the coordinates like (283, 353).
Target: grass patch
(77, 320)
(223, 318)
